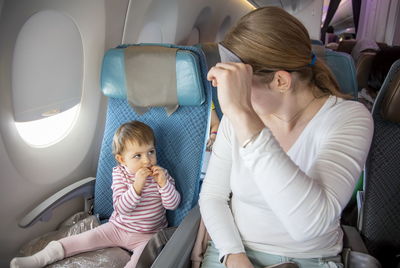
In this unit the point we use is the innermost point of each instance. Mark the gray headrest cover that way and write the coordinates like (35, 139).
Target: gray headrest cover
(227, 55)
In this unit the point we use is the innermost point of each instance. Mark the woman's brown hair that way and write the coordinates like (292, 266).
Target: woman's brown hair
(270, 39)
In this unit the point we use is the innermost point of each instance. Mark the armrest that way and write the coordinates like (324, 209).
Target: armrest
(352, 239)
(360, 209)
(43, 211)
(176, 253)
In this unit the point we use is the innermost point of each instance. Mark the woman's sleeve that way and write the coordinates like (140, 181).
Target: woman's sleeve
(214, 196)
(308, 204)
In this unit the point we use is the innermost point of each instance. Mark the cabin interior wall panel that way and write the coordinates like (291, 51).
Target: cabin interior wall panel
(172, 21)
(313, 22)
(28, 174)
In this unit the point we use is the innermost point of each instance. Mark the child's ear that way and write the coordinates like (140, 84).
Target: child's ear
(120, 159)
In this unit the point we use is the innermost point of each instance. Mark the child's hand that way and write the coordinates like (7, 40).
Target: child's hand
(159, 175)
(140, 179)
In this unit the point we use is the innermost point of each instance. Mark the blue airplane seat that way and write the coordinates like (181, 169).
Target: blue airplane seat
(180, 130)
(343, 67)
(316, 42)
(379, 215)
(180, 137)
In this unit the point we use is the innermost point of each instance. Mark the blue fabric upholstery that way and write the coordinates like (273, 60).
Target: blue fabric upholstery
(180, 141)
(342, 66)
(316, 42)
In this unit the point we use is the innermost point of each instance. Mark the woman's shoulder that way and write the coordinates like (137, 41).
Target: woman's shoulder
(349, 108)
(339, 111)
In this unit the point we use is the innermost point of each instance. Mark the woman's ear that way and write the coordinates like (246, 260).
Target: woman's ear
(120, 159)
(282, 81)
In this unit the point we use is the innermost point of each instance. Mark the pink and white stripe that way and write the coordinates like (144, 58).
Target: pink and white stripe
(143, 213)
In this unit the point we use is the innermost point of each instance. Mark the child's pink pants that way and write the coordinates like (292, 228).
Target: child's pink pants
(104, 236)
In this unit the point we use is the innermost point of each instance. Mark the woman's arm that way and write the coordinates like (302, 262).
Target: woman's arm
(214, 197)
(308, 203)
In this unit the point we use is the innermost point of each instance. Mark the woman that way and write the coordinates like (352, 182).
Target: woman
(289, 149)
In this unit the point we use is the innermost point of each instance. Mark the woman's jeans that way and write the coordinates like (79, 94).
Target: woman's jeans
(261, 260)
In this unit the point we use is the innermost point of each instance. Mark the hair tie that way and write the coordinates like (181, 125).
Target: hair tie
(313, 59)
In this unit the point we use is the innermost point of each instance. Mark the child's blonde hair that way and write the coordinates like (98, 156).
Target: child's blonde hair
(133, 132)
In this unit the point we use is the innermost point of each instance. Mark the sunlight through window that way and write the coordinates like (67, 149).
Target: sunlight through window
(48, 131)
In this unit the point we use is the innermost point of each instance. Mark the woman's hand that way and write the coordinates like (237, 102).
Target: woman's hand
(239, 260)
(233, 81)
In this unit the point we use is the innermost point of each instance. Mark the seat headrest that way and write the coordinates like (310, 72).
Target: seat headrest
(156, 70)
(346, 46)
(391, 101)
(342, 66)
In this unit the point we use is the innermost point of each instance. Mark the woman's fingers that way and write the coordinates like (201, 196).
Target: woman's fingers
(226, 69)
(234, 82)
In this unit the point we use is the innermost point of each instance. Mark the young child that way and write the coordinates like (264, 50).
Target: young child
(141, 193)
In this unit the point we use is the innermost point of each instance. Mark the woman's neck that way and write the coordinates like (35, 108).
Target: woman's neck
(295, 112)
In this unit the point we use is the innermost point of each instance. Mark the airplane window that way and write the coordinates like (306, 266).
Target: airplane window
(48, 131)
(47, 77)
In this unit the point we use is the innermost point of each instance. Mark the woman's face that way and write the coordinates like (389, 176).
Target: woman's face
(264, 98)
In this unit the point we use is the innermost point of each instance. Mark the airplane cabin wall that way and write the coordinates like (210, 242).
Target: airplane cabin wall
(311, 16)
(29, 174)
(173, 21)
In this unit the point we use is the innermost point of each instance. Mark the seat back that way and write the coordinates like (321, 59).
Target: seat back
(363, 68)
(180, 137)
(346, 46)
(342, 66)
(380, 217)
